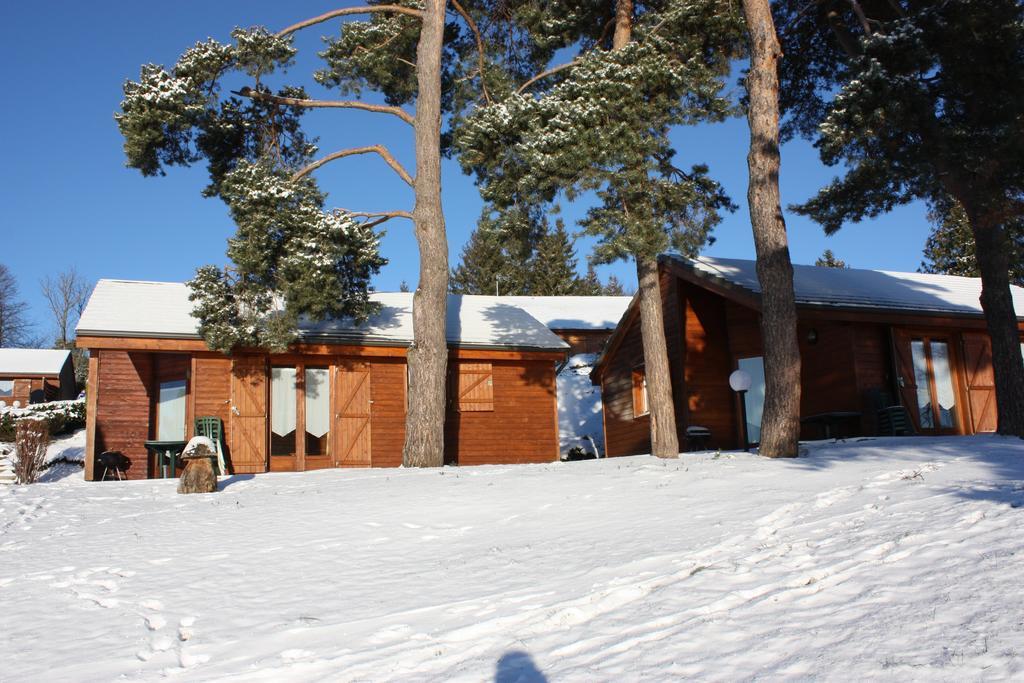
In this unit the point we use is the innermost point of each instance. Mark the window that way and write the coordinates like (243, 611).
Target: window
(171, 411)
(475, 387)
(936, 397)
(640, 407)
(753, 399)
(318, 410)
(7, 387)
(283, 399)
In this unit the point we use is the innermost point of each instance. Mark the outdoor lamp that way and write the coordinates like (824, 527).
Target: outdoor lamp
(740, 382)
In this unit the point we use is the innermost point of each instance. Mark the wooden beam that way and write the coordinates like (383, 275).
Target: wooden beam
(92, 394)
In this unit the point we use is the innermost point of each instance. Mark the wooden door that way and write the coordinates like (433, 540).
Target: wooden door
(248, 414)
(352, 414)
(981, 386)
(928, 381)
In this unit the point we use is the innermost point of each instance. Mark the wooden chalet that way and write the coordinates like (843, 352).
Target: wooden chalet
(584, 322)
(36, 376)
(336, 399)
(868, 339)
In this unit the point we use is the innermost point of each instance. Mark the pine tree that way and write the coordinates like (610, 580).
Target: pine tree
(600, 122)
(614, 287)
(829, 260)
(290, 256)
(919, 100)
(950, 246)
(553, 266)
(590, 285)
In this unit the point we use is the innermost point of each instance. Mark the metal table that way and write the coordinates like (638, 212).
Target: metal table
(830, 420)
(166, 454)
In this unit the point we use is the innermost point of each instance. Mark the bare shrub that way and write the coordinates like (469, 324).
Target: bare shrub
(31, 438)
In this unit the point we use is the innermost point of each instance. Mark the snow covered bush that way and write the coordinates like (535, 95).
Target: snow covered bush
(60, 417)
(32, 436)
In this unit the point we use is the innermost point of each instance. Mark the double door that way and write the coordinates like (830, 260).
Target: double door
(928, 382)
(300, 415)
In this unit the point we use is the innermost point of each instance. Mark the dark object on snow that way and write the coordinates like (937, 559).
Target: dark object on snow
(698, 438)
(199, 475)
(114, 464)
(578, 453)
(894, 421)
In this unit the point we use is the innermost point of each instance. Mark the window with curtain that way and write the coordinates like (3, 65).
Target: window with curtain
(171, 411)
(282, 411)
(318, 410)
(754, 398)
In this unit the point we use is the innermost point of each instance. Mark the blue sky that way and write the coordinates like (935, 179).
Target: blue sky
(69, 200)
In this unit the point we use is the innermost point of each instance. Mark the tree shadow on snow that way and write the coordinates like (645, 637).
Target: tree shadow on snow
(518, 667)
(233, 479)
(1002, 456)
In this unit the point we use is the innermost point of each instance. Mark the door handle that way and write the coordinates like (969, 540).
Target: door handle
(899, 380)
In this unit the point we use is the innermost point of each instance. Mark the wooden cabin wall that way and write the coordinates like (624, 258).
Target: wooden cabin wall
(873, 366)
(708, 362)
(584, 341)
(521, 428)
(124, 406)
(624, 433)
(828, 379)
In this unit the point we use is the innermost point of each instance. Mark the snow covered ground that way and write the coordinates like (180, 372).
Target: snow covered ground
(579, 406)
(892, 559)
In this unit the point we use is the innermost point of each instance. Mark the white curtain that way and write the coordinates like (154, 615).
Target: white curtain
(318, 401)
(754, 398)
(282, 401)
(171, 412)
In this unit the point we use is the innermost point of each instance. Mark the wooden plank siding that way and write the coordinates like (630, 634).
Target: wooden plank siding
(522, 426)
(518, 423)
(124, 406)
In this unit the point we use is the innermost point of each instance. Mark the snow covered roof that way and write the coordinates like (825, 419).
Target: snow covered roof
(858, 288)
(32, 361)
(130, 308)
(573, 312)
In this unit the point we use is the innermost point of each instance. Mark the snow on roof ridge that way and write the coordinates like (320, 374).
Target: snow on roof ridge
(32, 361)
(130, 308)
(861, 287)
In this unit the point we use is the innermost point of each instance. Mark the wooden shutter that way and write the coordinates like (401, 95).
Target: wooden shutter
(248, 431)
(981, 389)
(352, 402)
(475, 387)
(639, 392)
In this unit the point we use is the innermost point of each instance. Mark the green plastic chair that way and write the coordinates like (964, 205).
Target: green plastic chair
(211, 428)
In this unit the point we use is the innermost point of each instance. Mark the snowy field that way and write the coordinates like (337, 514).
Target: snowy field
(893, 559)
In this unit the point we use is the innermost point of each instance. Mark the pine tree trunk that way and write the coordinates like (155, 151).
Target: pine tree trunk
(780, 419)
(992, 254)
(664, 439)
(428, 357)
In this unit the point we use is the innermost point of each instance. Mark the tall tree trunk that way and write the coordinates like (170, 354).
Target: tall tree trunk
(780, 420)
(664, 439)
(428, 357)
(992, 254)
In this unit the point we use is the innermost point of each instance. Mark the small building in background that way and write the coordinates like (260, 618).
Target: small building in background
(870, 341)
(36, 376)
(583, 322)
